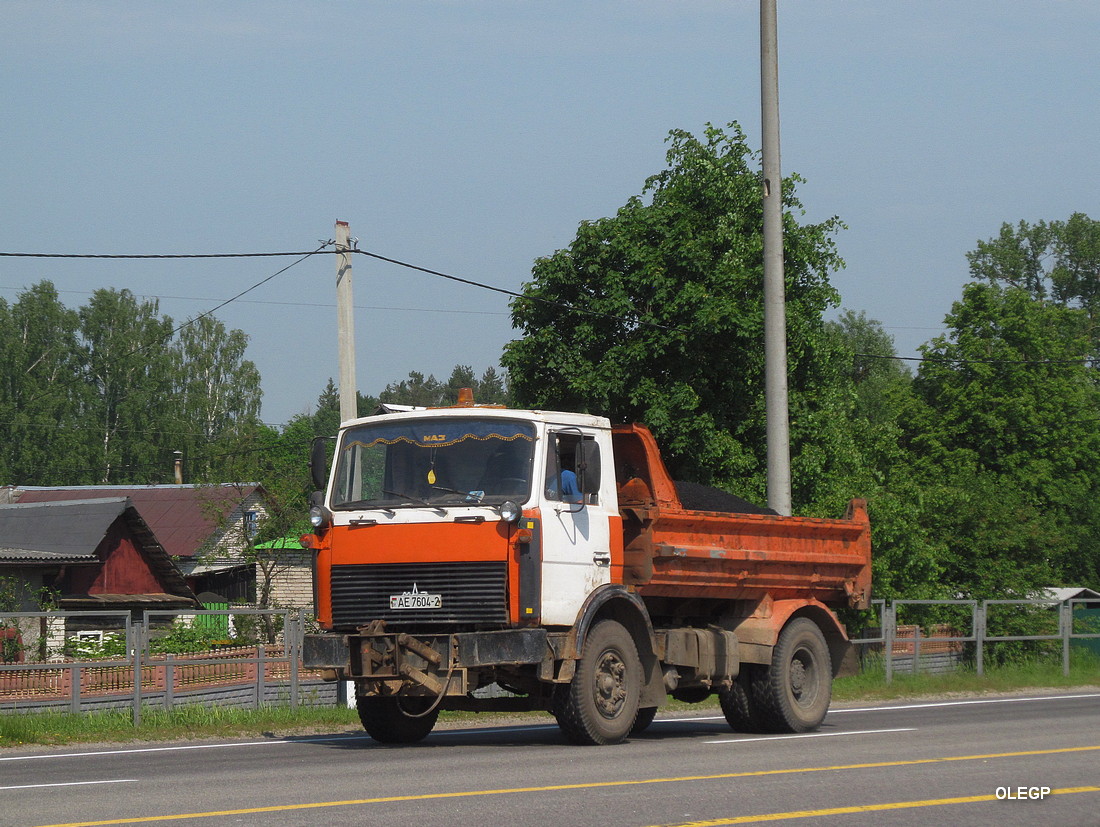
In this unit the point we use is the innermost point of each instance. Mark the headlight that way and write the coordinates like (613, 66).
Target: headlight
(509, 511)
(320, 517)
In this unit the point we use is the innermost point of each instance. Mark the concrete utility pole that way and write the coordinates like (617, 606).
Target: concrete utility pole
(345, 324)
(775, 315)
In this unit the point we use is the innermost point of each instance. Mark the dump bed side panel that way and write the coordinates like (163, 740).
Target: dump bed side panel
(674, 552)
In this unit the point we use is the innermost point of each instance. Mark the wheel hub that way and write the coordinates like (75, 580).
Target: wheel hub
(610, 685)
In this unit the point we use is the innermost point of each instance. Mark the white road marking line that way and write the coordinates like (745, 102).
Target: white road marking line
(70, 784)
(752, 739)
(141, 750)
(972, 702)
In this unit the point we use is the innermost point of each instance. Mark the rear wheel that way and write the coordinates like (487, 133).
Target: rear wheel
(794, 696)
(643, 719)
(600, 705)
(742, 712)
(396, 720)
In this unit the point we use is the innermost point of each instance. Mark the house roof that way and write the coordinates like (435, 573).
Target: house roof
(1070, 593)
(181, 516)
(282, 542)
(57, 531)
(71, 531)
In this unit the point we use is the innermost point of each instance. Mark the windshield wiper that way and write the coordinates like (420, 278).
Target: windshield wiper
(476, 496)
(409, 497)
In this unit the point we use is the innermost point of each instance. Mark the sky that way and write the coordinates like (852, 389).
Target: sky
(473, 138)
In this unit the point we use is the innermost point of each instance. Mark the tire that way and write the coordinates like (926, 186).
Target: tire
(600, 705)
(643, 719)
(691, 694)
(793, 694)
(393, 720)
(738, 705)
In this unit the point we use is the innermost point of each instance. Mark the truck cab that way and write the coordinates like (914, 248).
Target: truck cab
(431, 518)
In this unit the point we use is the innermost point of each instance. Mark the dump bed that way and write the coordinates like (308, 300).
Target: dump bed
(672, 551)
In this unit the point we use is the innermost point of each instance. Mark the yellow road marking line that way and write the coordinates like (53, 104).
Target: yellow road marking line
(864, 808)
(584, 786)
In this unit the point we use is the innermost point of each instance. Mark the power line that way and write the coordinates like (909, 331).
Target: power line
(293, 304)
(377, 256)
(513, 293)
(140, 348)
(158, 255)
(1079, 360)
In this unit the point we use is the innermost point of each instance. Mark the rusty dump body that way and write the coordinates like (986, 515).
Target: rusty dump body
(672, 554)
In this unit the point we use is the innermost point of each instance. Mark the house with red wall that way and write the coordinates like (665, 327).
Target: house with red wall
(91, 554)
(206, 530)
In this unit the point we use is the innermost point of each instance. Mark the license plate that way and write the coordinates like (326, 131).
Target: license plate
(416, 599)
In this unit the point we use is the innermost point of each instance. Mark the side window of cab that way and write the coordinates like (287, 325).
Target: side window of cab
(573, 468)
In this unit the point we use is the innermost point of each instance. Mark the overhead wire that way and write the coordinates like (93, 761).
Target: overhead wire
(639, 321)
(1078, 361)
(377, 256)
(468, 282)
(191, 321)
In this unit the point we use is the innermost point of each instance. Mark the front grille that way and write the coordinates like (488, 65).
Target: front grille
(472, 593)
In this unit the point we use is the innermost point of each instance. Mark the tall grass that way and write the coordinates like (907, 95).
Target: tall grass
(187, 722)
(870, 684)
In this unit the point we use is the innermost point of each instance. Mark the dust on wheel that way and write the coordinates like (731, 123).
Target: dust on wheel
(742, 712)
(396, 720)
(796, 694)
(600, 705)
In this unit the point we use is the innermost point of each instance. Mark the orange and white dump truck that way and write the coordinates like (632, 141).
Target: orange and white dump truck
(552, 555)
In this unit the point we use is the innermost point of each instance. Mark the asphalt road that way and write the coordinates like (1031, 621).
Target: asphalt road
(1004, 761)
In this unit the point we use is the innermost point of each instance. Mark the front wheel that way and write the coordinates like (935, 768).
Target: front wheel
(396, 720)
(600, 705)
(795, 695)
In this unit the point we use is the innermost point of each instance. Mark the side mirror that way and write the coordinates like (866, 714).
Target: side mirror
(588, 466)
(318, 461)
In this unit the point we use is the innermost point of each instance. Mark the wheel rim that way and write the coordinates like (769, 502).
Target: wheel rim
(803, 678)
(610, 684)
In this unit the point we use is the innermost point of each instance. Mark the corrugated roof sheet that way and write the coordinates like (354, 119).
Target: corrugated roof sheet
(69, 529)
(181, 516)
(1070, 593)
(40, 532)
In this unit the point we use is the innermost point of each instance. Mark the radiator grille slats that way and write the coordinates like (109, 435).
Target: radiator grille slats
(472, 593)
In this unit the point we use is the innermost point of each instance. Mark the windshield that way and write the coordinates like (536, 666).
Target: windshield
(436, 462)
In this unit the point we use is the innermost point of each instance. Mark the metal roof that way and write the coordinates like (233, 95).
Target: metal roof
(70, 530)
(181, 516)
(53, 532)
(1063, 594)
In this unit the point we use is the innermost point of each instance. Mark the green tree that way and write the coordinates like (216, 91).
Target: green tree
(1059, 260)
(428, 392)
(130, 374)
(492, 388)
(43, 397)
(215, 393)
(416, 390)
(1008, 424)
(910, 557)
(107, 393)
(655, 315)
(880, 381)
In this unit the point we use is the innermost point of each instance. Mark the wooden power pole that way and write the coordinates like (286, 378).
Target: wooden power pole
(345, 324)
